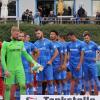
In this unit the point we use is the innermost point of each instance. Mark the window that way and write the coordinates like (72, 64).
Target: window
(68, 7)
(45, 6)
(12, 8)
(96, 7)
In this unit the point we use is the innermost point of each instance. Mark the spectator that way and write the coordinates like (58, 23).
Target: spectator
(30, 16)
(27, 16)
(98, 17)
(51, 17)
(40, 10)
(69, 11)
(24, 16)
(81, 12)
(37, 18)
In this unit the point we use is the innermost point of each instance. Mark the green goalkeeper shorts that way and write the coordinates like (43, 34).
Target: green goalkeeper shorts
(16, 77)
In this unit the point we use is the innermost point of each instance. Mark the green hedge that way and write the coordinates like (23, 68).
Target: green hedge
(63, 29)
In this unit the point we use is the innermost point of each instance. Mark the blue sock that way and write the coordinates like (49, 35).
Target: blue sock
(97, 83)
(64, 88)
(50, 89)
(75, 89)
(92, 84)
(59, 88)
(82, 89)
(68, 87)
(39, 90)
(27, 91)
(79, 88)
(87, 86)
(17, 94)
(31, 91)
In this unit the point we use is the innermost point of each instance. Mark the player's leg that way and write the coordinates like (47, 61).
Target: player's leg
(78, 82)
(44, 86)
(57, 78)
(1, 88)
(69, 78)
(39, 78)
(1, 84)
(73, 81)
(64, 82)
(29, 83)
(9, 81)
(49, 77)
(83, 83)
(20, 77)
(86, 79)
(92, 83)
(95, 76)
(77, 75)
(17, 92)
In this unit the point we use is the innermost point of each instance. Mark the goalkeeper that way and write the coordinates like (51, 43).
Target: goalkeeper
(12, 63)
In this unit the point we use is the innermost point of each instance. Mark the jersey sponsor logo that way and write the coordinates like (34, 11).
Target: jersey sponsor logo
(74, 50)
(88, 51)
(43, 48)
(14, 48)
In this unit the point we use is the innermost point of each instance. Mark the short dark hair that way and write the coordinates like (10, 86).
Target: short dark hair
(55, 32)
(64, 36)
(37, 29)
(70, 34)
(86, 33)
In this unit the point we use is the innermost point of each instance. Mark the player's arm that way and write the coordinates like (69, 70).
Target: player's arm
(3, 56)
(61, 51)
(35, 54)
(54, 55)
(30, 59)
(3, 59)
(81, 60)
(97, 48)
(65, 61)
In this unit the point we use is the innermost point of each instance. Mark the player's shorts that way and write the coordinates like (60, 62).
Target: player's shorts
(56, 71)
(46, 74)
(16, 76)
(29, 77)
(75, 74)
(63, 75)
(90, 71)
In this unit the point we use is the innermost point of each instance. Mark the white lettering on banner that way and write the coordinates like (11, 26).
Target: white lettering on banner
(59, 97)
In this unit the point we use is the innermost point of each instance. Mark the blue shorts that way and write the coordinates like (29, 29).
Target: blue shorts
(56, 72)
(75, 74)
(90, 71)
(46, 74)
(63, 75)
(29, 77)
(56, 75)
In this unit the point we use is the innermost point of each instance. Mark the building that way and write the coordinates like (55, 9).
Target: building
(17, 7)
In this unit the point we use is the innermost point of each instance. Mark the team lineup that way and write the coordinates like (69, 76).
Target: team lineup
(67, 68)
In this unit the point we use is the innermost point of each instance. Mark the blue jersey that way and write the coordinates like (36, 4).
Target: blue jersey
(65, 44)
(90, 52)
(44, 46)
(29, 48)
(59, 47)
(74, 50)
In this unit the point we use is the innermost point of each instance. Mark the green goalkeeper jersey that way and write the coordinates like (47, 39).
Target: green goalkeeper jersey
(11, 55)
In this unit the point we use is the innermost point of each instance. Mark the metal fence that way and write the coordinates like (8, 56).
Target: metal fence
(69, 20)
(56, 20)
